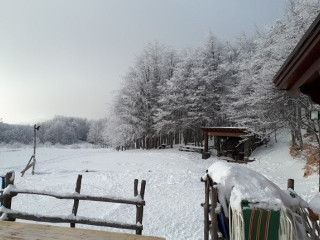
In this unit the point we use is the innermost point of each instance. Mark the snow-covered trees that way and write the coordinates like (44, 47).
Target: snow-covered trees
(257, 104)
(15, 133)
(64, 130)
(137, 103)
(167, 96)
(97, 132)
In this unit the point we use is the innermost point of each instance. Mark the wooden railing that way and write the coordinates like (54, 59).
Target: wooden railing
(11, 191)
(312, 226)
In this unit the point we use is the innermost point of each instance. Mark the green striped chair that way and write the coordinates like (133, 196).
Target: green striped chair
(260, 224)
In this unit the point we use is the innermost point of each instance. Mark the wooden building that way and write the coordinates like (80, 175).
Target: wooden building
(229, 142)
(301, 71)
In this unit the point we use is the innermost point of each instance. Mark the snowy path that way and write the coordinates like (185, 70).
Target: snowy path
(173, 192)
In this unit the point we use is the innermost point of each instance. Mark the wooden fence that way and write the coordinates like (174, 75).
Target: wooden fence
(312, 226)
(209, 206)
(11, 215)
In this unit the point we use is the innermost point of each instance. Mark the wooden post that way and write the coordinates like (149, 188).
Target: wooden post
(206, 210)
(206, 142)
(33, 165)
(34, 139)
(9, 179)
(213, 215)
(246, 151)
(139, 213)
(290, 184)
(76, 201)
(135, 186)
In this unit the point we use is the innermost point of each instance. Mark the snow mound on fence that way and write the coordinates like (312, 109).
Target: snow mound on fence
(237, 183)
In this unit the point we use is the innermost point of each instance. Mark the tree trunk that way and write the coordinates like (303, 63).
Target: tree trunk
(298, 130)
(293, 136)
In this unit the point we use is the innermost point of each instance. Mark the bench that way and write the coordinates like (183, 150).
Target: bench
(190, 148)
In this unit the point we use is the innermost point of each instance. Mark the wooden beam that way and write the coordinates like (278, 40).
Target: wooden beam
(226, 134)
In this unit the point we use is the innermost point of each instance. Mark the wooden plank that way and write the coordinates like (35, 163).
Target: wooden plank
(26, 231)
(27, 167)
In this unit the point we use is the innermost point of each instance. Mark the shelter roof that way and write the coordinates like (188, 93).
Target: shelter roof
(225, 131)
(300, 72)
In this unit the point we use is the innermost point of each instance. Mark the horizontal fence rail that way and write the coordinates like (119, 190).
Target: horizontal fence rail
(11, 215)
(74, 196)
(67, 219)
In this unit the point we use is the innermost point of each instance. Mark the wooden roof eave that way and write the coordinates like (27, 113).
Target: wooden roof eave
(224, 131)
(303, 64)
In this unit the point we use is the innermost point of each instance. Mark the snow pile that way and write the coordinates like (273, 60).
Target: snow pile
(237, 183)
(314, 204)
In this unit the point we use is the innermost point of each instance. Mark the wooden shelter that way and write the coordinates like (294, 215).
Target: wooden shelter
(301, 70)
(229, 142)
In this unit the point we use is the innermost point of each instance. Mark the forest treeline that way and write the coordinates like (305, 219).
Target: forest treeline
(167, 95)
(59, 130)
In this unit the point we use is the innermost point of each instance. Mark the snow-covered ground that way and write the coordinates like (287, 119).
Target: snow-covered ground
(173, 191)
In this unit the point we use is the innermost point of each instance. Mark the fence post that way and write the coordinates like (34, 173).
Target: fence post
(76, 201)
(206, 209)
(213, 215)
(9, 179)
(3, 186)
(290, 184)
(139, 214)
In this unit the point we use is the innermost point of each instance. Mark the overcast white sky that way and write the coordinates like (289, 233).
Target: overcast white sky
(67, 57)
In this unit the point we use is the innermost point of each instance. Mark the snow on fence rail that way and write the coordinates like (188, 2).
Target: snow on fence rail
(11, 191)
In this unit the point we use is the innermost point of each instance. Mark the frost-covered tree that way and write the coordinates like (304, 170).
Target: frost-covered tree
(194, 93)
(14, 133)
(97, 132)
(257, 104)
(138, 101)
(64, 130)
